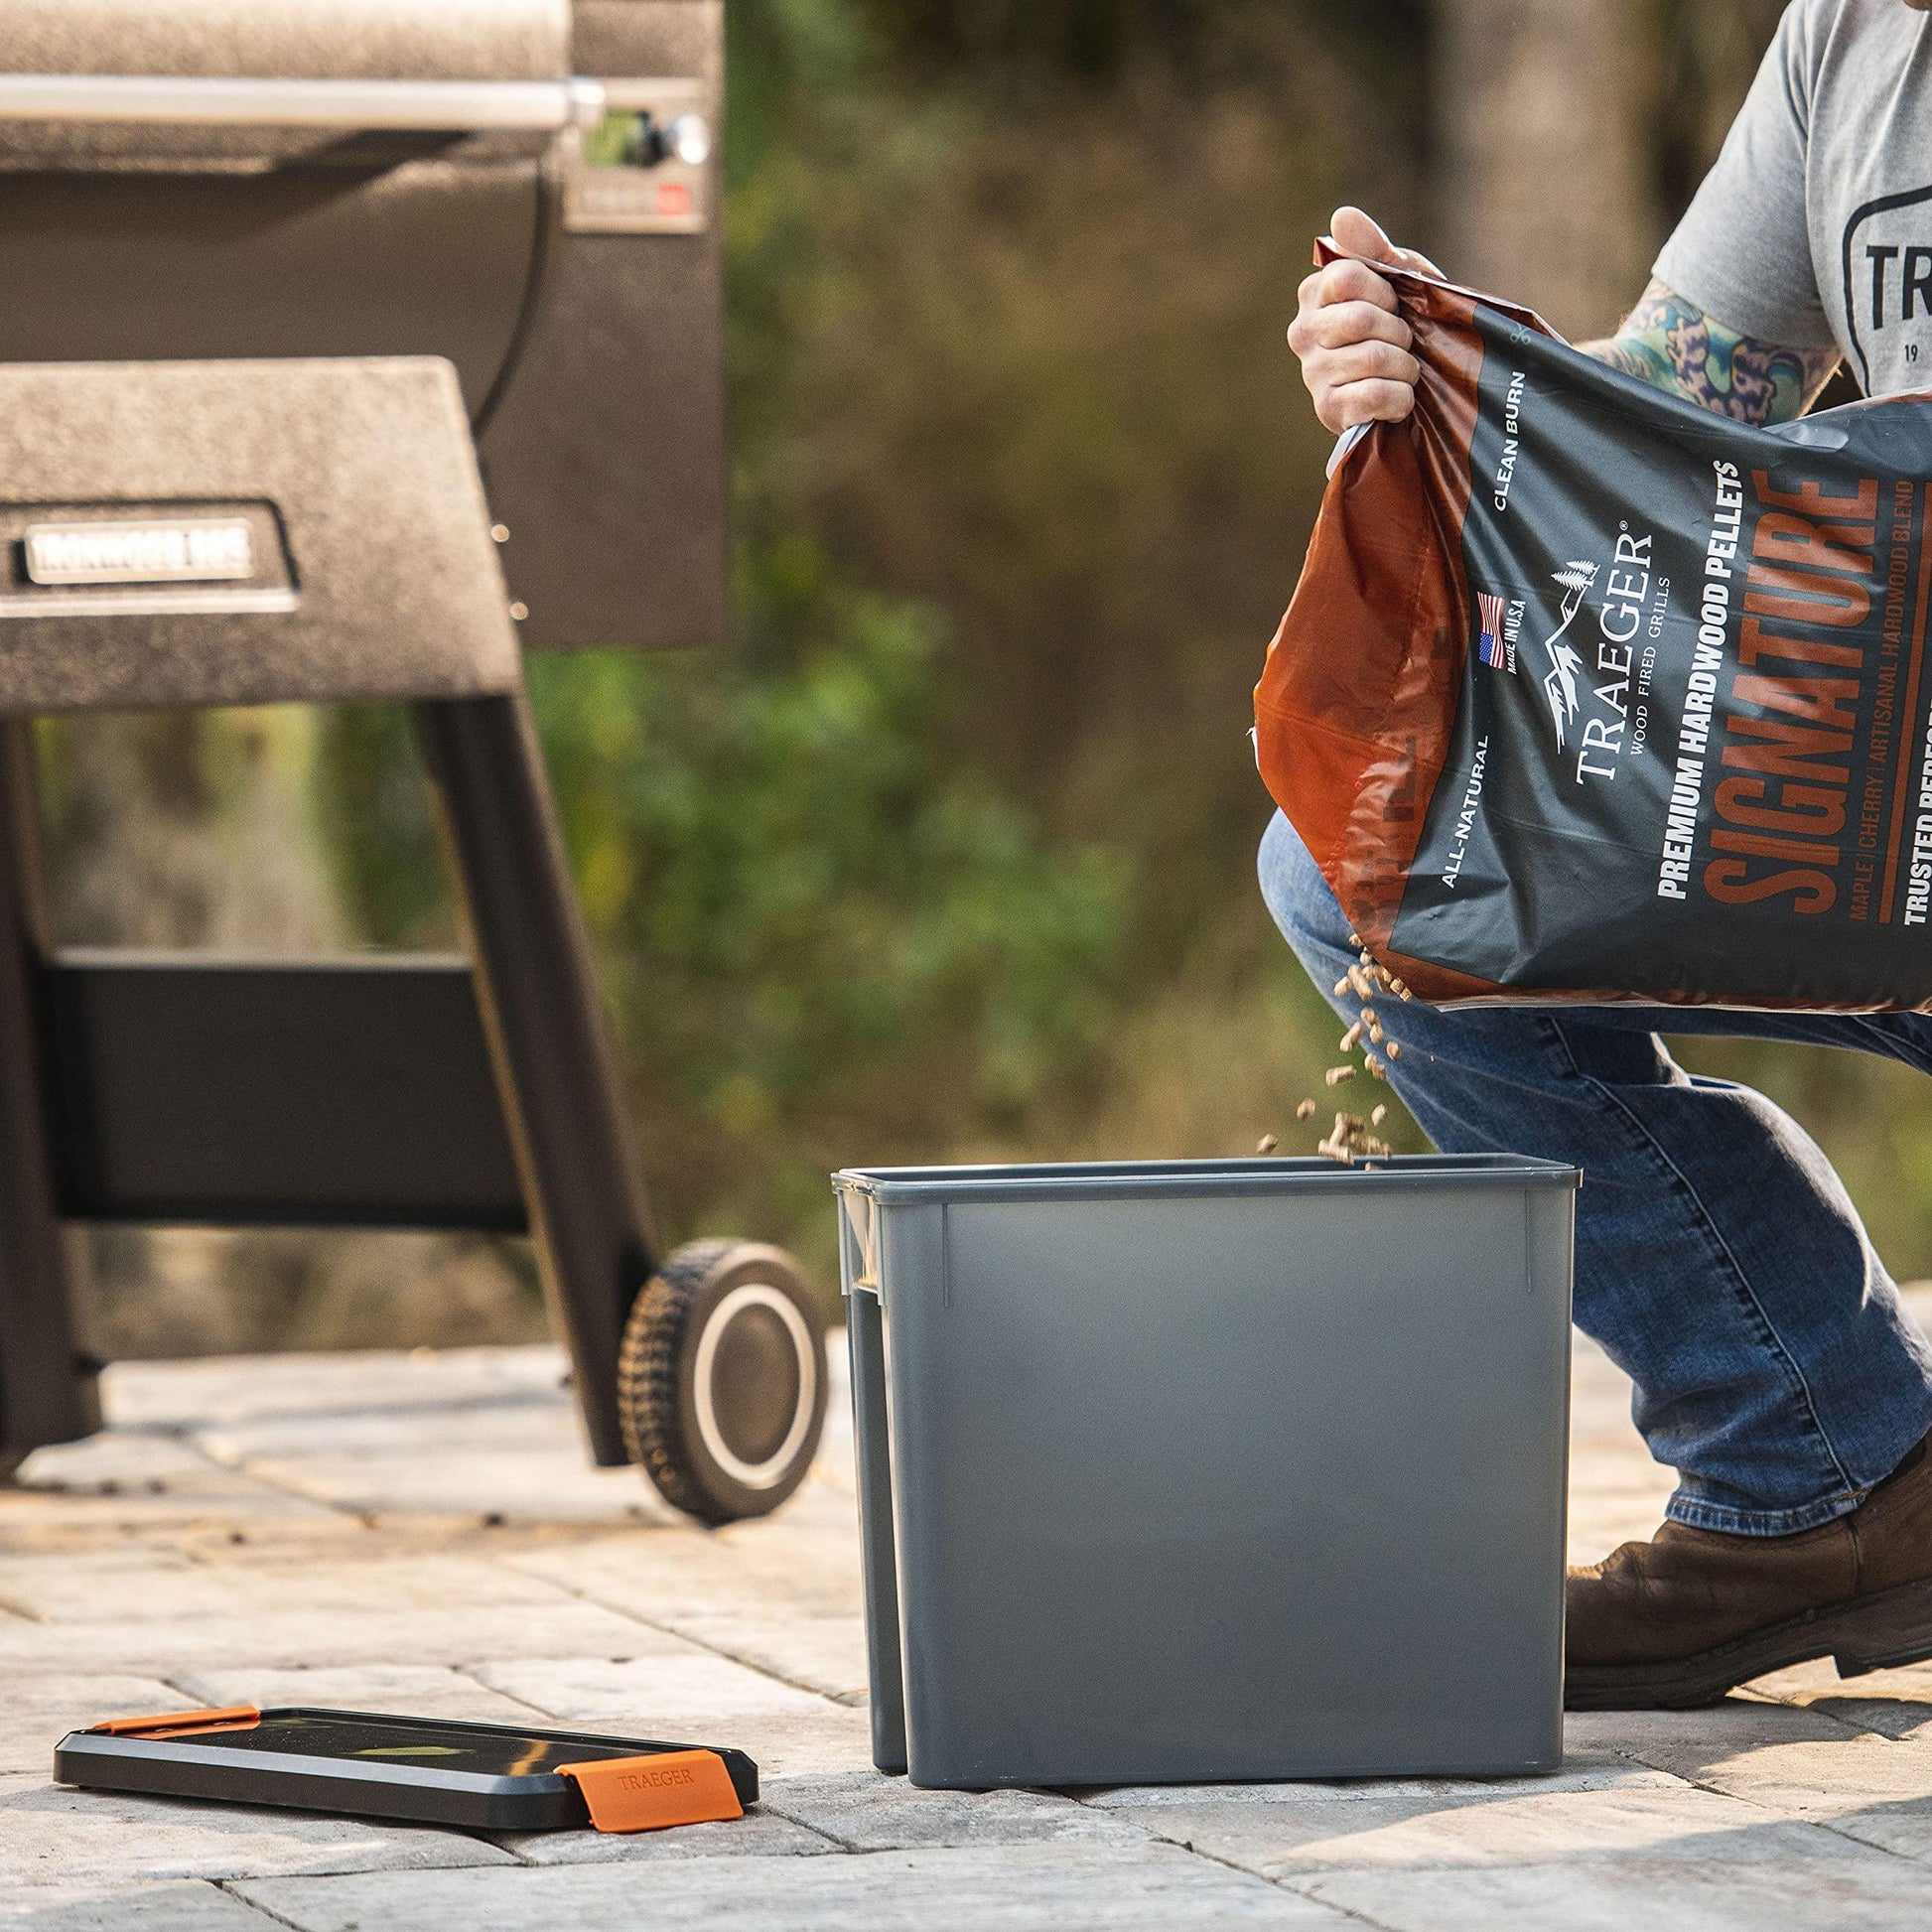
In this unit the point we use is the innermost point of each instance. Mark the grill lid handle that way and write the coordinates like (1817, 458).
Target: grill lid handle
(364, 106)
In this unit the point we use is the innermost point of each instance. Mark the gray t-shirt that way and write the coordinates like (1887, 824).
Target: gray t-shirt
(1815, 227)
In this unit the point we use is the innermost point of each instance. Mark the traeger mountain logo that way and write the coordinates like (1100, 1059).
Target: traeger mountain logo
(1602, 709)
(1559, 684)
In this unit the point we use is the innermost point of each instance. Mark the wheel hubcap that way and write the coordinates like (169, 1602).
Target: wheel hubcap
(755, 1384)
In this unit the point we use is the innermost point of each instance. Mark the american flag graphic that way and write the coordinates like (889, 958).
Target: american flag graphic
(1490, 647)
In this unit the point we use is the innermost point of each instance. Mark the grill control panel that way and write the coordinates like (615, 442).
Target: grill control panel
(639, 168)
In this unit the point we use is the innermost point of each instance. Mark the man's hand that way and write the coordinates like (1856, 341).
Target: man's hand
(1353, 346)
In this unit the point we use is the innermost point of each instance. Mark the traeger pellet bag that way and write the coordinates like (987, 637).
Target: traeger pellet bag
(1587, 693)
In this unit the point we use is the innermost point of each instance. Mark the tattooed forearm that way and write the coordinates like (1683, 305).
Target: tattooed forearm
(1673, 345)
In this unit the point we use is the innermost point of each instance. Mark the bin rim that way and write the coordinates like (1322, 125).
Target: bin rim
(1254, 1175)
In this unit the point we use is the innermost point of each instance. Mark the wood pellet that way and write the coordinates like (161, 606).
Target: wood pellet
(1350, 1139)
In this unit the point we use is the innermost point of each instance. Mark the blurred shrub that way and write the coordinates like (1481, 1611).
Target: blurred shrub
(795, 896)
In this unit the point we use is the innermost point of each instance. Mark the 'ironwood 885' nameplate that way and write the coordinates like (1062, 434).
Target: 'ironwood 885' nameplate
(144, 559)
(198, 550)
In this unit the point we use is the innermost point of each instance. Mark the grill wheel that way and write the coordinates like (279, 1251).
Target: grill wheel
(721, 1379)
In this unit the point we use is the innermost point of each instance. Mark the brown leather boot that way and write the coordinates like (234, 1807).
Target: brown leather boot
(1683, 1618)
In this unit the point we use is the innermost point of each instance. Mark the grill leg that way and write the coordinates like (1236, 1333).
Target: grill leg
(47, 1388)
(574, 1148)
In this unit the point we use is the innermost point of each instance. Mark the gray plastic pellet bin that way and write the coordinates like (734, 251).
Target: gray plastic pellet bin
(1203, 1470)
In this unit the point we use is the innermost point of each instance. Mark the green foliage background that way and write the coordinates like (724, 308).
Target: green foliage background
(948, 853)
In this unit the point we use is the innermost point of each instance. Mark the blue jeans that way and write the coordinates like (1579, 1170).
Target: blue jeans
(1719, 1261)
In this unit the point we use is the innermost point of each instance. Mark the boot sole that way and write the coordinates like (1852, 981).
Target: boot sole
(1876, 1632)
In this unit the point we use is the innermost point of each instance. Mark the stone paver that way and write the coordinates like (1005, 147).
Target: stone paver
(191, 1396)
(48, 1588)
(132, 1487)
(1593, 1806)
(1894, 1703)
(680, 1692)
(674, 1683)
(50, 1835)
(749, 1571)
(38, 1707)
(1693, 1743)
(1007, 1889)
(760, 1834)
(867, 1813)
(421, 1533)
(1873, 1790)
(423, 1690)
(507, 1485)
(826, 1654)
(193, 1905)
(450, 1633)
(1658, 1816)
(1642, 1895)
(506, 1423)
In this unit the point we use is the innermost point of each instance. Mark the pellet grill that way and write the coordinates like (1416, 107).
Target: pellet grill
(346, 349)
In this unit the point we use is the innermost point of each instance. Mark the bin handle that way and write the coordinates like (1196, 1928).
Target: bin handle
(410, 107)
(862, 1217)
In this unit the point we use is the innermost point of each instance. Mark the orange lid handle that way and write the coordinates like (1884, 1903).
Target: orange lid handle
(172, 1724)
(646, 1794)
